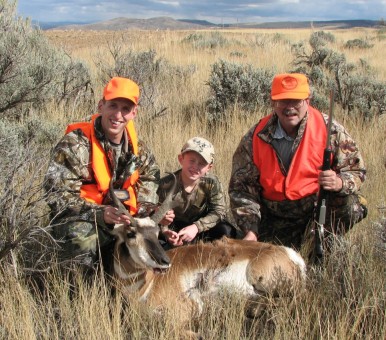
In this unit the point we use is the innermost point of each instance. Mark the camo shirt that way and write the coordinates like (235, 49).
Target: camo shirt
(246, 201)
(70, 168)
(204, 206)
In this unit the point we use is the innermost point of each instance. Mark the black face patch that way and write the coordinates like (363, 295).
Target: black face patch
(156, 252)
(130, 234)
(124, 251)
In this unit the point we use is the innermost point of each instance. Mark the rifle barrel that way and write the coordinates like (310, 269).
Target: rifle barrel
(330, 119)
(323, 194)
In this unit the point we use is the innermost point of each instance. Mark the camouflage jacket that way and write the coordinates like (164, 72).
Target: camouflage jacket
(245, 191)
(70, 168)
(204, 206)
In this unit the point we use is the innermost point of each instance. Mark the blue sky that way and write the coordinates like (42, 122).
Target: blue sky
(224, 11)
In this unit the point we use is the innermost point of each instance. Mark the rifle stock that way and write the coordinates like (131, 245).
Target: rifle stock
(321, 207)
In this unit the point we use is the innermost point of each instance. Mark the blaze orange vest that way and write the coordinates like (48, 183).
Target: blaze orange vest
(302, 177)
(96, 192)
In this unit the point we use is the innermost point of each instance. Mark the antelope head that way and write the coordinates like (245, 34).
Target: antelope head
(137, 244)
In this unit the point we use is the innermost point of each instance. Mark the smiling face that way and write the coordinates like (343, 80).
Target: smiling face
(115, 115)
(193, 167)
(290, 113)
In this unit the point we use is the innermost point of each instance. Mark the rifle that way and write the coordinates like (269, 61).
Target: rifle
(321, 206)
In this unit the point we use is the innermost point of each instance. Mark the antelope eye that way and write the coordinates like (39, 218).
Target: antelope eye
(130, 234)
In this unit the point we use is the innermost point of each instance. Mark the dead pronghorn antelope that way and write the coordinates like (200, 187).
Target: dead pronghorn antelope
(254, 269)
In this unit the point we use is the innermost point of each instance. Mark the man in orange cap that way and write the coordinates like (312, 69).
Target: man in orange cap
(83, 163)
(276, 173)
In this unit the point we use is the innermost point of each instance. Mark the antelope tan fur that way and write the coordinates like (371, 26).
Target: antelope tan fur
(253, 269)
(184, 275)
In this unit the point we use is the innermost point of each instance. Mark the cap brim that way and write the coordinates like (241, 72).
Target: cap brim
(292, 95)
(123, 96)
(198, 153)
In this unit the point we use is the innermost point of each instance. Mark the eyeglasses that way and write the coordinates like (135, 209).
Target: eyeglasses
(295, 103)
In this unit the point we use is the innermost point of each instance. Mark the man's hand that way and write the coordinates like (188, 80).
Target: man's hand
(250, 236)
(188, 233)
(112, 216)
(168, 218)
(330, 181)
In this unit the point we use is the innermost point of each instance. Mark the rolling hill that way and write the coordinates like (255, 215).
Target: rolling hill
(167, 23)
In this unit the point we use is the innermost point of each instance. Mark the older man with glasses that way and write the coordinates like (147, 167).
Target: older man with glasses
(276, 171)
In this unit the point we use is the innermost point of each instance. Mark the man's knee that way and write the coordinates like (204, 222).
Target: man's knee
(223, 228)
(347, 211)
(80, 242)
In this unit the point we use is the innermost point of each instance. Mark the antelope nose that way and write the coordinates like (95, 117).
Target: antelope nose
(165, 261)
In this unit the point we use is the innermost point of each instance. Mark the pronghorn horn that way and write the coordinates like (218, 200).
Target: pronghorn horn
(119, 205)
(167, 204)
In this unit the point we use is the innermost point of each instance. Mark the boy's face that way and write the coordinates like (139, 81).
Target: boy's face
(193, 166)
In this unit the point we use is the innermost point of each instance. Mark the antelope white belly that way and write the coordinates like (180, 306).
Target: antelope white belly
(232, 277)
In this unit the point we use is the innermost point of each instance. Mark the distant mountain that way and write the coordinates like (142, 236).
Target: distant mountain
(118, 24)
(304, 24)
(48, 25)
(198, 22)
(167, 23)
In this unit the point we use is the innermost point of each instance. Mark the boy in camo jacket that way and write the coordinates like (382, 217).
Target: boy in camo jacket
(199, 213)
(83, 163)
(276, 170)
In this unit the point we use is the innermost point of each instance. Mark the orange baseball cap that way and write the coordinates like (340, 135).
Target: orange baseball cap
(119, 87)
(290, 86)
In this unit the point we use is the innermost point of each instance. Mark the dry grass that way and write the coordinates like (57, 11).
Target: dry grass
(344, 300)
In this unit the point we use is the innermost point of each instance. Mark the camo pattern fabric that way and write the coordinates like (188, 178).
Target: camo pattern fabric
(80, 243)
(204, 206)
(287, 223)
(70, 167)
(252, 212)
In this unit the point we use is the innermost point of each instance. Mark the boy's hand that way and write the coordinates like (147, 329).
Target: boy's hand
(168, 218)
(188, 233)
(173, 238)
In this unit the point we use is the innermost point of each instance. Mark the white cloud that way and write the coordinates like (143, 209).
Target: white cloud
(170, 3)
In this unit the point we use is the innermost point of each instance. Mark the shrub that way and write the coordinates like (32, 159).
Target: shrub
(200, 41)
(237, 54)
(23, 211)
(234, 84)
(325, 36)
(266, 40)
(32, 72)
(357, 43)
(317, 56)
(355, 84)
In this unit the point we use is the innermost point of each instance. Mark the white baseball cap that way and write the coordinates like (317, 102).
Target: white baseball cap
(200, 145)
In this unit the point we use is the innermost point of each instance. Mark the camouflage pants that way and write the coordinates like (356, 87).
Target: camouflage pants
(287, 223)
(83, 244)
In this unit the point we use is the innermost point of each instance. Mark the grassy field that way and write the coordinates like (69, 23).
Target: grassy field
(344, 300)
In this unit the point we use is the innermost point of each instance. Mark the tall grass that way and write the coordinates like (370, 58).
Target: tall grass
(343, 300)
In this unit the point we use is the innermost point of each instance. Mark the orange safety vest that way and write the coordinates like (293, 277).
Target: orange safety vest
(302, 177)
(96, 192)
